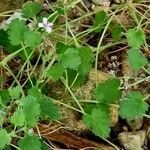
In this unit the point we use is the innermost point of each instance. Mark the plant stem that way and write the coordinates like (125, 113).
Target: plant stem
(8, 69)
(147, 116)
(73, 96)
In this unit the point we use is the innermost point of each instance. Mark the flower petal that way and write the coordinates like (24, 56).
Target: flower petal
(48, 29)
(45, 21)
(40, 25)
(50, 24)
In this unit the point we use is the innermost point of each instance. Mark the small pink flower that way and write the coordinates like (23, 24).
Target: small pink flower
(46, 25)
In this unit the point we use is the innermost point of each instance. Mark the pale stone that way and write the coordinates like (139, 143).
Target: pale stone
(132, 140)
(135, 124)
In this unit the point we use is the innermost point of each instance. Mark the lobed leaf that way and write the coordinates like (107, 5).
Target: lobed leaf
(133, 106)
(70, 58)
(4, 96)
(86, 57)
(18, 118)
(30, 142)
(135, 38)
(100, 21)
(136, 59)
(15, 92)
(5, 138)
(48, 109)
(98, 122)
(56, 71)
(116, 33)
(84, 68)
(32, 39)
(108, 91)
(31, 110)
(17, 28)
(31, 9)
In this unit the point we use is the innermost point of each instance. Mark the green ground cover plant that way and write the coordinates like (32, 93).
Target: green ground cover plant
(26, 101)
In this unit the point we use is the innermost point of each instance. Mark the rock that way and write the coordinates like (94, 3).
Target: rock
(98, 75)
(132, 140)
(114, 113)
(125, 128)
(7, 5)
(135, 124)
(148, 134)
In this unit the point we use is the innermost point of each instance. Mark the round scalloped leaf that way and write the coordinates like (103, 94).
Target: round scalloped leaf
(108, 91)
(31, 9)
(30, 142)
(133, 106)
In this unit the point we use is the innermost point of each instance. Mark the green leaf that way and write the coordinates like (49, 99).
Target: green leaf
(136, 59)
(15, 92)
(18, 118)
(72, 75)
(86, 57)
(16, 31)
(70, 59)
(116, 33)
(5, 42)
(98, 121)
(135, 38)
(26, 53)
(30, 142)
(3, 38)
(60, 10)
(4, 95)
(35, 92)
(48, 109)
(61, 47)
(133, 106)
(31, 110)
(56, 71)
(88, 108)
(100, 21)
(84, 68)
(85, 54)
(2, 117)
(31, 9)
(5, 138)
(108, 91)
(44, 147)
(32, 39)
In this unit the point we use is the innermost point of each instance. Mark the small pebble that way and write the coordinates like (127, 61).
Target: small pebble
(135, 124)
(132, 140)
